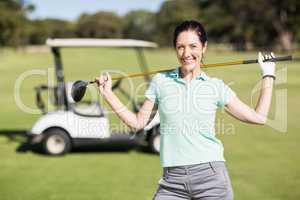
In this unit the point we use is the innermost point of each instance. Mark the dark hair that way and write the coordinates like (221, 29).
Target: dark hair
(190, 25)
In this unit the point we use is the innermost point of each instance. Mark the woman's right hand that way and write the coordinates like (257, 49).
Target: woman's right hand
(104, 84)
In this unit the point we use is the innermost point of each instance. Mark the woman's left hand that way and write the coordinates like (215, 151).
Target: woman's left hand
(267, 68)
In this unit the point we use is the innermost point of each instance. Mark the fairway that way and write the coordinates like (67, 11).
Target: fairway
(263, 162)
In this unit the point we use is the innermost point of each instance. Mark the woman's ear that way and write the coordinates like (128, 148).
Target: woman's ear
(204, 47)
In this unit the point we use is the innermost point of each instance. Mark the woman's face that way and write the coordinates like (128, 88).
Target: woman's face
(189, 50)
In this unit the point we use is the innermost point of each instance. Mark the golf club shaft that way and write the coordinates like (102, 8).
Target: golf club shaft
(240, 62)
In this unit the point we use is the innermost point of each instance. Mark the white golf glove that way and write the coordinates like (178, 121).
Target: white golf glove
(267, 68)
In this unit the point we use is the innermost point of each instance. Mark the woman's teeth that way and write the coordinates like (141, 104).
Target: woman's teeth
(188, 61)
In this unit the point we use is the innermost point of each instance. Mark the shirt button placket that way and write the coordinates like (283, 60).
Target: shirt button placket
(188, 94)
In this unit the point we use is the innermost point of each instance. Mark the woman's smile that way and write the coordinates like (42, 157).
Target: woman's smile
(188, 61)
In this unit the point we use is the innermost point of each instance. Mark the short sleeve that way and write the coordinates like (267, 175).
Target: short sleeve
(225, 94)
(151, 92)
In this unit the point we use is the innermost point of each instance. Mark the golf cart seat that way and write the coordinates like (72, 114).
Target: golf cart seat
(92, 109)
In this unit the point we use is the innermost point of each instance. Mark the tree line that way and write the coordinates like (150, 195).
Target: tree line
(244, 24)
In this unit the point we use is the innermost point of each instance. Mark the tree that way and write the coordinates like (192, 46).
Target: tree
(216, 19)
(171, 14)
(39, 30)
(285, 18)
(273, 20)
(99, 25)
(139, 24)
(12, 23)
(258, 22)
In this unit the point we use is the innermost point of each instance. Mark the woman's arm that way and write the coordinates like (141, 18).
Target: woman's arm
(134, 120)
(259, 115)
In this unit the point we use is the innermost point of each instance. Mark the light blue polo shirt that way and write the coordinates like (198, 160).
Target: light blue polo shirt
(187, 117)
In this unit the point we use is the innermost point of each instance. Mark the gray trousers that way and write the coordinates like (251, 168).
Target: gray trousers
(207, 181)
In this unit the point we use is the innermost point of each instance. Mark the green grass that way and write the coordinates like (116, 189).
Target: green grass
(263, 162)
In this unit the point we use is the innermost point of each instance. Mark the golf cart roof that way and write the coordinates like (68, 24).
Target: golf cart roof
(88, 42)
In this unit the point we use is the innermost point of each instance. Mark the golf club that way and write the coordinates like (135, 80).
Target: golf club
(79, 87)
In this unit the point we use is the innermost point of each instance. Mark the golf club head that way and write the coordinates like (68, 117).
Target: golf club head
(78, 90)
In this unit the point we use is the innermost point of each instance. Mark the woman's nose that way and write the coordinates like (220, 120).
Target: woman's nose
(186, 52)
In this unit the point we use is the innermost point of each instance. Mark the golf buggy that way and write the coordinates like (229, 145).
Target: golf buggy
(70, 125)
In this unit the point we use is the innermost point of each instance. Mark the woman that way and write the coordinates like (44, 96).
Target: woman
(187, 98)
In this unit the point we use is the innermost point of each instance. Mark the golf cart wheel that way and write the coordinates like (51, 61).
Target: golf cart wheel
(154, 140)
(56, 142)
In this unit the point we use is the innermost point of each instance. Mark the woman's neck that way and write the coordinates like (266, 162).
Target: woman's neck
(189, 75)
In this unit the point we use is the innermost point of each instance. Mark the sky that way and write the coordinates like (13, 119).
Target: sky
(71, 9)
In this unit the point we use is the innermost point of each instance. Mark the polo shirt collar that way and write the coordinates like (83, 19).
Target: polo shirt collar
(175, 75)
